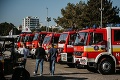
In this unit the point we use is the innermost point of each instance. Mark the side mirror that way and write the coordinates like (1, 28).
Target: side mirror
(71, 42)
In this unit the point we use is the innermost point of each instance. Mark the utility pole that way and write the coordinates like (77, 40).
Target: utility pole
(101, 9)
(46, 19)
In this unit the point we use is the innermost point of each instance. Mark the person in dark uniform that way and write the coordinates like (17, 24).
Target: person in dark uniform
(40, 56)
(52, 54)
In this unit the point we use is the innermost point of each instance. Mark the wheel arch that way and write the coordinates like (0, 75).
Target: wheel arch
(105, 55)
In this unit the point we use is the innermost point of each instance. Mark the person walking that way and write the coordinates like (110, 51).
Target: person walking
(25, 52)
(52, 54)
(40, 55)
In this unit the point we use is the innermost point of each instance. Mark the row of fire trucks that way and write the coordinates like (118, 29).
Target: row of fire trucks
(96, 49)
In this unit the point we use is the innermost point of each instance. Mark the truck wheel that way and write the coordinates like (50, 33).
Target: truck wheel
(106, 66)
(79, 66)
(92, 69)
(71, 65)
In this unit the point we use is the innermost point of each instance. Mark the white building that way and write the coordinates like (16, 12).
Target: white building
(31, 22)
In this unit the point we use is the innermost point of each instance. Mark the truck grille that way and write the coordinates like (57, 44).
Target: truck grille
(78, 53)
(60, 50)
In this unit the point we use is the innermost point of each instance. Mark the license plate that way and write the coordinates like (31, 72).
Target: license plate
(64, 57)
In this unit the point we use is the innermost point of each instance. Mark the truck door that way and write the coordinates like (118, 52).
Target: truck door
(116, 44)
(71, 40)
(97, 44)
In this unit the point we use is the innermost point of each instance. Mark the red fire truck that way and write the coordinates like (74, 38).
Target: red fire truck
(20, 39)
(28, 40)
(38, 37)
(65, 46)
(99, 49)
(22, 36)
(49, 39)
(78, 48)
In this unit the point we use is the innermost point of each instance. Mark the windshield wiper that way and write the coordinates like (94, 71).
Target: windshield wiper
(79, 44)
(62, 41)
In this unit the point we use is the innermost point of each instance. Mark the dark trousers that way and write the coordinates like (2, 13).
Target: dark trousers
(24, 62)
(52, 66)
(39, 61)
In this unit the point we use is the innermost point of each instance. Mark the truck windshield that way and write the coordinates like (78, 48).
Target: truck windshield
(46, 40)
(28, 38)
(20, 39)
(63, 38)
(81, 38)
(36, 36)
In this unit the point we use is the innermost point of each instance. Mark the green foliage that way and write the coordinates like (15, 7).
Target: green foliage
(43, 28)
(92, 13)
(6, 27)
(71, 15)
(87, 14)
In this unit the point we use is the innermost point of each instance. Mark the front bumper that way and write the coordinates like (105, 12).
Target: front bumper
(83, 61)
(64, 57)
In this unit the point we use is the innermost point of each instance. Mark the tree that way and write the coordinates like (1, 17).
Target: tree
(43, 28)
(71, 15)
(92, 13)
(82, 15)
(5, 28)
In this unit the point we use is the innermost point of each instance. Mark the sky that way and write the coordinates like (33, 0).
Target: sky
(13, 11)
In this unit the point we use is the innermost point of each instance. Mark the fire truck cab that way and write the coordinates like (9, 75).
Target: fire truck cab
(19, 42)
(50, 39)
(99, 50)
(65, 47)
(23, 37)
(38, 37)
(28, 40)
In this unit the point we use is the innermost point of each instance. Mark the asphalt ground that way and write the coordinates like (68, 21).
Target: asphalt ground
(63, 72)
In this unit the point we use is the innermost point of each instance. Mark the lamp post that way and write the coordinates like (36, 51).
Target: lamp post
(47, 18)
(101, 9)
(119, 12)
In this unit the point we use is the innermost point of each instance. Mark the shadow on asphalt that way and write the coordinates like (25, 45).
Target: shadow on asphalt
(51, 78)
(59, 76)
(56, 78)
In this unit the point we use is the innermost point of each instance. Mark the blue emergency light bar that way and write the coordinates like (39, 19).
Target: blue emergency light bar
(113, 25)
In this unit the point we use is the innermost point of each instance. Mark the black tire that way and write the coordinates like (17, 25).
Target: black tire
(71, 65)
(92, 69)
(79, 66)
(106, 66)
